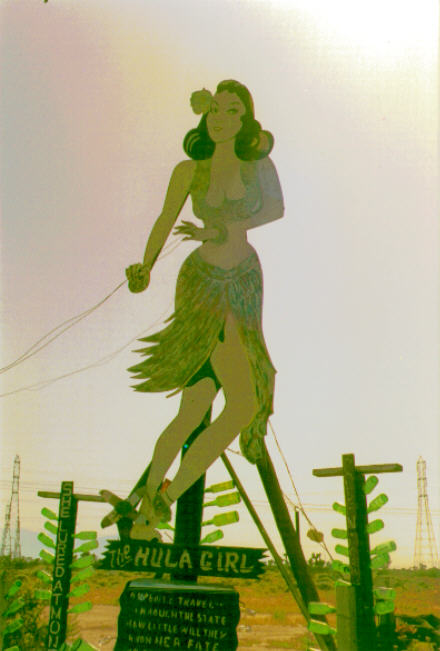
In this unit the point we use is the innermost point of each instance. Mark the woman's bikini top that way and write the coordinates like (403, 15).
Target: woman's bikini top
(230, 209)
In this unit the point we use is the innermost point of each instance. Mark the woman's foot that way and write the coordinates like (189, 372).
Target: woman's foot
(151, 513)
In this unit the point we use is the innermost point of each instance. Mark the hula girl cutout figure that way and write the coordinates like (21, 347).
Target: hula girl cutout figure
(214, 339)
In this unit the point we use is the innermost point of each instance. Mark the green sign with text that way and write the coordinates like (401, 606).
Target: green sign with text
(156, 616)
(204, 560)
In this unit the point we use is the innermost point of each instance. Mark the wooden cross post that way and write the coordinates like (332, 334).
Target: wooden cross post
(358, 541)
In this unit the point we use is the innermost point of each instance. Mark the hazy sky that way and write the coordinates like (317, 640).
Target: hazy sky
(95, 104)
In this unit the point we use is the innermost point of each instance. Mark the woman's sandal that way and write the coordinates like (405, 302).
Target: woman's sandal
(150, 515)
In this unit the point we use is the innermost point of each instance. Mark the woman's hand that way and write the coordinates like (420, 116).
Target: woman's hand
(138, 277)
(190, 231)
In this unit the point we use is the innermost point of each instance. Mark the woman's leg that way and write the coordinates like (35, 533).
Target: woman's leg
(195, 402)
(232, 367)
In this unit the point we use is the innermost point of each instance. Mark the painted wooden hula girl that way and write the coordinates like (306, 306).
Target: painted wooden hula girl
(214, 339)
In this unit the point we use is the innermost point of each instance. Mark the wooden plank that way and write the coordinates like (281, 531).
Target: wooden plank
(277, 558)
(359, 553)
(346, 616)
(366, 470)
(290, 539)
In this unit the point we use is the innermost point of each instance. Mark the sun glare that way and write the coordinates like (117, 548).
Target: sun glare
(377, 28)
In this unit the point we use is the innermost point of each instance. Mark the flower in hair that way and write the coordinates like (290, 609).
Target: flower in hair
(201, 101)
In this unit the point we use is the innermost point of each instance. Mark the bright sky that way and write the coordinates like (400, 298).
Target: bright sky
(95, 104)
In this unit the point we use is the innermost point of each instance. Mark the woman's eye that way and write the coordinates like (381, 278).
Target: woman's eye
(232, 111)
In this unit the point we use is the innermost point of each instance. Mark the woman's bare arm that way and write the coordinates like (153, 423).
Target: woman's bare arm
(178, 189)
(272, 206)
(177, 193)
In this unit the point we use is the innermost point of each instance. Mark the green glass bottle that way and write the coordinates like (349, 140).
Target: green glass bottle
(47, 558)
(320, 628)
(15, 587)
(377, 503)
(339, 533)
(341, 549)
(83, 574)
(339, 508)
(378, 562)
(80, 590)
(223, 518)
(384, 607)
(86, 535)
(43, 576)
(49, 514)
(82, 562)
(225, 500)
(339, 566)
(46, 540)
(14, 607)
(389, 546)
(370, 484)
(219, 488)
(42, 595)
(213, 537)
(87, 547)
(51, 528)
(81, 608)
(319, 608)
(385, 593)
(374, 526)
(15, 625)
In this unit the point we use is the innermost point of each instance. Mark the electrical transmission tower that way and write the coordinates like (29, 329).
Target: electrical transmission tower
(11, 545)
(425, 551)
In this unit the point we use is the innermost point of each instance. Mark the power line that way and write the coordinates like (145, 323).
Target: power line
(60, 329)
(73, 321)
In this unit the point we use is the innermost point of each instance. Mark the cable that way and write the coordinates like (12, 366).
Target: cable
(72, 321)
(33, 350)
(104, 360)
(300, 505)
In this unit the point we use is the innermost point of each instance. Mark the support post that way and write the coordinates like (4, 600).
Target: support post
(289, 537)
(359, 553)
(346, 616)
(189, 509)
(278, 560)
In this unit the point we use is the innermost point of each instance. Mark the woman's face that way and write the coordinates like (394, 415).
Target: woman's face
(224, 118)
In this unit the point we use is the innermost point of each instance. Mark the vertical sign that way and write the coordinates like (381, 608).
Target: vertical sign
(59, 602)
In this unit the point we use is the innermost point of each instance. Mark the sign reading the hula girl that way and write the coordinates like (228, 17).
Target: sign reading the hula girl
(205, 560)
(214, 340)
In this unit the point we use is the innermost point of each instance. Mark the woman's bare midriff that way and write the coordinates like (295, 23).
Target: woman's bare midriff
(230, 253)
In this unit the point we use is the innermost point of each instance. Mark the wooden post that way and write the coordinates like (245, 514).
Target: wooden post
(278, 560)
(346, 616)
(358, 543)
(359, 553)
(290, 538)
(189, 509)
(59, 602)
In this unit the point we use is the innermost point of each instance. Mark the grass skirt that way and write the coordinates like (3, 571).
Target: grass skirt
(205, 294)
